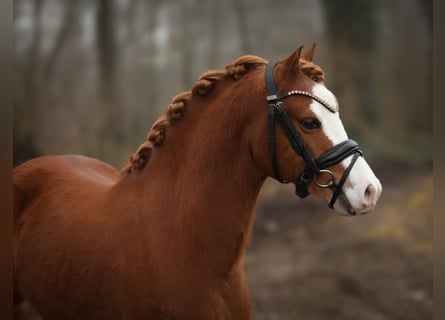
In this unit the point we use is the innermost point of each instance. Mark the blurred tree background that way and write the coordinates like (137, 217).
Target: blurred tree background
(92, 76)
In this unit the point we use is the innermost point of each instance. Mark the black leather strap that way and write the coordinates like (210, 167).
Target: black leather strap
(273, 144)
(338, 153)
(272, 92)
(301, 185)
(272, 98)
(339, 186)
(294, 137)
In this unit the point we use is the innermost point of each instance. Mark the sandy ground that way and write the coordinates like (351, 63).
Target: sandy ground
(306, 262)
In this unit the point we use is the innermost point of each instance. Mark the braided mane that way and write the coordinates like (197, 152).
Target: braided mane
(202, 87)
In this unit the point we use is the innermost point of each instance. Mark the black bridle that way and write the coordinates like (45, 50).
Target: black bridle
(314, 167)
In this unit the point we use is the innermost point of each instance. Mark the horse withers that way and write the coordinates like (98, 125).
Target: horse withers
(164, 238)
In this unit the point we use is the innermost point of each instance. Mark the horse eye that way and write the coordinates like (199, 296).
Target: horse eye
(310, 123)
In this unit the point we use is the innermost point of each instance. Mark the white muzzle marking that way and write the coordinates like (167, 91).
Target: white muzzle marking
(365, 188)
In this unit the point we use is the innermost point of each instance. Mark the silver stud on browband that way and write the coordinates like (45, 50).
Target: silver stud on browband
(331, 108)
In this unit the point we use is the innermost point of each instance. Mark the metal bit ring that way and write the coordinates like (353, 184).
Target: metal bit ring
(324, 185)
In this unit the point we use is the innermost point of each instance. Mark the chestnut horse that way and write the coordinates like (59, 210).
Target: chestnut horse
(165, 237)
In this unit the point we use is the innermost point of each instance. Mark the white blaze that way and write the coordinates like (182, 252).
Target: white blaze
(361, 175)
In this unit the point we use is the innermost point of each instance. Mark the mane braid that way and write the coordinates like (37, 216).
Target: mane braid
(179, 104)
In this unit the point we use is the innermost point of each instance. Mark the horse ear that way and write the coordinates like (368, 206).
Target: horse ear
(309, 54)
(291, 62)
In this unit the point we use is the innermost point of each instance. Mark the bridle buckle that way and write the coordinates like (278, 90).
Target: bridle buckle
(302, 183)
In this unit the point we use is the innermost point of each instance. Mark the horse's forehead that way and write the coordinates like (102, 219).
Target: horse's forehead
(320, 90)
(331, 123)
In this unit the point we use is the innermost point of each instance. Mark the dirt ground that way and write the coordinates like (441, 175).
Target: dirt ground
(306, 262)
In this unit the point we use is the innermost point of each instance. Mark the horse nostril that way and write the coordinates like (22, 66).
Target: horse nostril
(370, 194)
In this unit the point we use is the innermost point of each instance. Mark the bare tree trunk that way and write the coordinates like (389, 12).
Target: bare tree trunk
(62, 39)
(110, 130)
(427, 8)
(408, 76)
(351, 26)
(241, 14)
(26, 104)
(215, 27)
(186, 43)
(375, 56)
(106, 46)
(34, 51)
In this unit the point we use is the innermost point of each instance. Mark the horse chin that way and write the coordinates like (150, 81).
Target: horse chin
(343, 207)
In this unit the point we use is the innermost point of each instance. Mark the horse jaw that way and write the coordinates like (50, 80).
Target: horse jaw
(362, 192)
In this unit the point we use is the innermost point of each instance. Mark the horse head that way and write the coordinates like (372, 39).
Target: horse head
(307, 143)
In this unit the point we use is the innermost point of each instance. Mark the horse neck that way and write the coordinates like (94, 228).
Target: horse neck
(206, 176)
